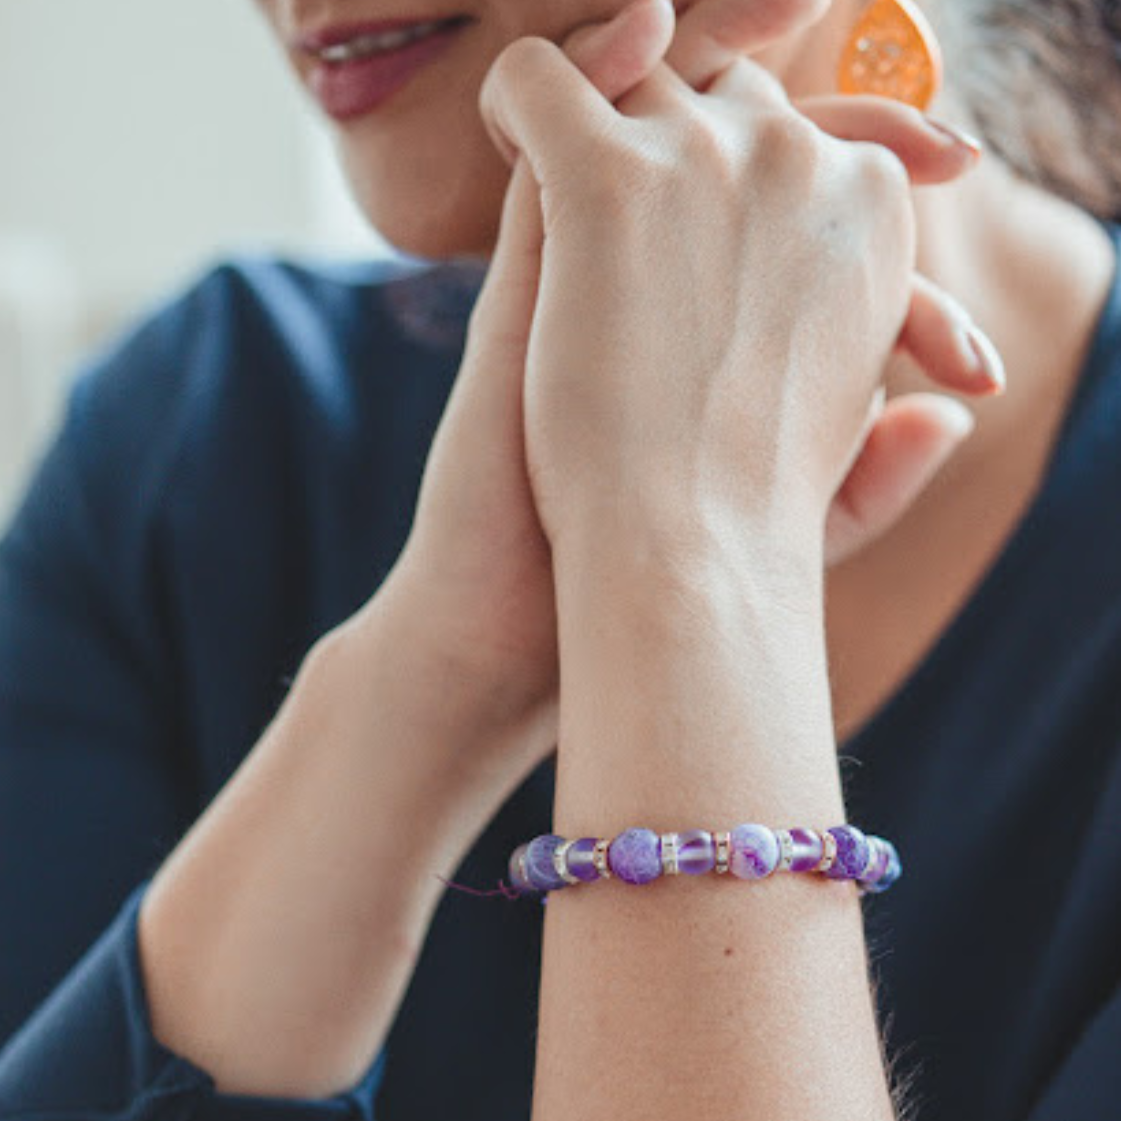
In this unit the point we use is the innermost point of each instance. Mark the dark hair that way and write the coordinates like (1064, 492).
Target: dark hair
(1042, 80)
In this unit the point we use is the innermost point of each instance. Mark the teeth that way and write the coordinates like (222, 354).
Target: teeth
(366, 45)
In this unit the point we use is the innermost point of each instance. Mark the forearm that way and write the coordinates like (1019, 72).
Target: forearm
(700, 702)
(279, 938)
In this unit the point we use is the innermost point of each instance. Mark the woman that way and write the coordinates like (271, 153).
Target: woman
(234, 479)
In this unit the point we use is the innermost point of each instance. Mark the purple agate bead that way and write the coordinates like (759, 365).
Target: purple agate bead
(696, 852)
(808, 850)
(540, 869)
(755, 852)
(852, 853)
(580, 862)
(635, 856)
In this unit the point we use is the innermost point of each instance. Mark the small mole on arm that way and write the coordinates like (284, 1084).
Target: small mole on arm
(727, 951)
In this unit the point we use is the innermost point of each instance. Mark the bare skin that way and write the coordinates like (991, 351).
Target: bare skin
(218, 928)
(1031, 270)
(1035, 271)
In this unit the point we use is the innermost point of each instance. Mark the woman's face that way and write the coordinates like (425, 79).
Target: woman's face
(420, 163)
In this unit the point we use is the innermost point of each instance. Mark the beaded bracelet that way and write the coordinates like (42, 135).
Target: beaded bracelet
(750, 852)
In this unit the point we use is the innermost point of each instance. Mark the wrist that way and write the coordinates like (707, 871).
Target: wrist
(498, 676)
(444, 745)
(695, 686)
(673, 568)
(320, 862)
(666, 523)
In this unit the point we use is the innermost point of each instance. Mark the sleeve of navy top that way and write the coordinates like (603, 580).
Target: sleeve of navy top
(95, 777)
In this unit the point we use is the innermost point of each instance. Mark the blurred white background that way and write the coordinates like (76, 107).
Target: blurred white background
(141, 139)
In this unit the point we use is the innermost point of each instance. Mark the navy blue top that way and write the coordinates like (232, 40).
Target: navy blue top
(238, 474)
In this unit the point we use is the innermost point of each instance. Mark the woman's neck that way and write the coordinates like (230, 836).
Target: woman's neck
(1034, 272)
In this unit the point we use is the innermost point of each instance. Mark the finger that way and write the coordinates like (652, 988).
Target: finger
(616, 56)
(535, 101)
(483, 423)
(930, 153)
(502, 315)
(952, 350)
(485, 405)
(912, 438)
(712, 34)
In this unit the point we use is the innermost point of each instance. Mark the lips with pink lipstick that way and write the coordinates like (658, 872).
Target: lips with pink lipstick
(359, 66)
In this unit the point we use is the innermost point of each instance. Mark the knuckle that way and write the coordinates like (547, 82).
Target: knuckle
(705, 141)
(744, 79)
(785, 139)
(883, 183)
(883, 171)
(762, 84)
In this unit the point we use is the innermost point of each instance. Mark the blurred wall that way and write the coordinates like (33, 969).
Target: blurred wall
(139, 140)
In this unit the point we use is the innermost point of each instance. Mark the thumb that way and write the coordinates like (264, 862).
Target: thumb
(551, 102)
(619, 54)
(910, 440)
(614, 56)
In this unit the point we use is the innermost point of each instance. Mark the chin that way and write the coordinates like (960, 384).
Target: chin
(439, 203)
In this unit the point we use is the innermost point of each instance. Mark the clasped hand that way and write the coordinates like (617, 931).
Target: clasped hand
(683, 333)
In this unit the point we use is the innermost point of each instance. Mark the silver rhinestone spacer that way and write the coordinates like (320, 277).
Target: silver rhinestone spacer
(829, 855)
(785, 850)
(599, 858)
(560, 862)
(723, 844)
(669, 842)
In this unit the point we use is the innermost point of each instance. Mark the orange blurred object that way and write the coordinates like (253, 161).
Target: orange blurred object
(892, 52)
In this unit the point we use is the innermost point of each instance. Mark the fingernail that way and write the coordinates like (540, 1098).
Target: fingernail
(958, 136)
(988, 360)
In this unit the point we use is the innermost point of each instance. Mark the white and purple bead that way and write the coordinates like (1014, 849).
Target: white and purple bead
(886, 868)
(755, 852)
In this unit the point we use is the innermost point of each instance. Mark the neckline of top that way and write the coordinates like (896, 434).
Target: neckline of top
(1105, 341)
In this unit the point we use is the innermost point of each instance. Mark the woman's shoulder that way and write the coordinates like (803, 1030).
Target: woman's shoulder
(257, 343)
(258, 368)
(263, 316)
